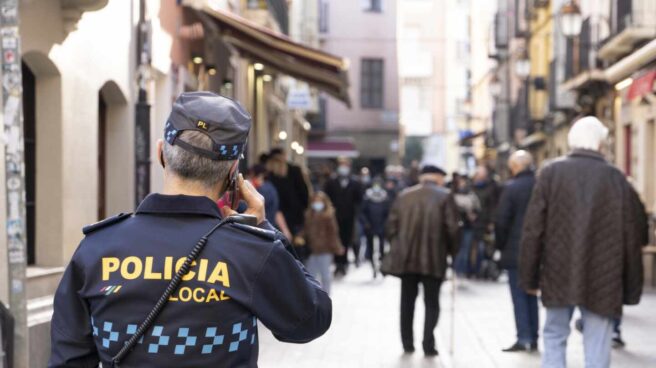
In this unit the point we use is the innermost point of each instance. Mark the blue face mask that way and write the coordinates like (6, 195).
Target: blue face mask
(318, 206)
(343, 170)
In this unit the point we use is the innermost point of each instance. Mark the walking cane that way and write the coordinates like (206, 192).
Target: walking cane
(453, 310)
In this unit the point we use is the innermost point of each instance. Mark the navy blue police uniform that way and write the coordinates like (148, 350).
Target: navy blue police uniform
(244, 275)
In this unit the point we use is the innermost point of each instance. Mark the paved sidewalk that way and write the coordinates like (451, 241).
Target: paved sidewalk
(365, 331)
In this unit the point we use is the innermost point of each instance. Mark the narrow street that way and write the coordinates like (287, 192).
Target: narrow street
(365, 330)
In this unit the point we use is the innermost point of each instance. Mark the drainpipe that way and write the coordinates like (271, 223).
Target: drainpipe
(142, 118)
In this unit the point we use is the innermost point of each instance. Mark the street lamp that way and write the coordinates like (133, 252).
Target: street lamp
(570, 19)
(523, 67)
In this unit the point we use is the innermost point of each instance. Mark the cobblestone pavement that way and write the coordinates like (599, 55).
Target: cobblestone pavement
(365, 330)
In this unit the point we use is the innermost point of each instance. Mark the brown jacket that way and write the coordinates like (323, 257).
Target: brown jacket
(321, 232)
(582, 237)
(423, 229)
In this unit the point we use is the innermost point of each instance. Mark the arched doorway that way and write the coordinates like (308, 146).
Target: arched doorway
(42, 129)
(115, 152)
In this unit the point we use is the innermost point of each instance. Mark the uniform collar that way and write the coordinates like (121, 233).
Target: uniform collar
(156, 203)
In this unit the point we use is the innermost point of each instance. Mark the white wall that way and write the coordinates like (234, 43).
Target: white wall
(99, 50)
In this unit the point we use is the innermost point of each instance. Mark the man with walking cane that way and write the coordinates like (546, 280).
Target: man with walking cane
(423, 230)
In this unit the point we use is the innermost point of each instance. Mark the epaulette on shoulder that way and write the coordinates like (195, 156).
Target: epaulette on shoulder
(269, 235)
(106, 222)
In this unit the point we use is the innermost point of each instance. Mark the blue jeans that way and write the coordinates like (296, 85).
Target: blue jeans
(462, 264)
(318, 265)
(526, 311)
(597, 336)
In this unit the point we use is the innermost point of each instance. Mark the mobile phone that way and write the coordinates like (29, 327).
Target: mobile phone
(233, 190)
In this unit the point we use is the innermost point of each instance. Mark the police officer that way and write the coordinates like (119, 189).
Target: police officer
(243, 275)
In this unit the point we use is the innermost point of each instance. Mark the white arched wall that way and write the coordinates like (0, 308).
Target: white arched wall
(49, 184)
(119, 143)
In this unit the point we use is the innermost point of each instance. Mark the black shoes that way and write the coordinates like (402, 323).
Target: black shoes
(522, 348)
(408, 349)
(618, 343)
(431, 352)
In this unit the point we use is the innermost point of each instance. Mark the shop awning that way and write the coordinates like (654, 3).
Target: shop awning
(642, 85)
(322, 70)
(332, 149)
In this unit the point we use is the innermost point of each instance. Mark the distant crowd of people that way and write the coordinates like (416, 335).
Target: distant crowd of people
(571, 235)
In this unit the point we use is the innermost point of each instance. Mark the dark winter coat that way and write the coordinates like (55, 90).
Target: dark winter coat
(488, 196)
(423, 230)
(510, 217)
(375, 208)
(294, 197)
(582, 238)
(321, 232)
(346, 200)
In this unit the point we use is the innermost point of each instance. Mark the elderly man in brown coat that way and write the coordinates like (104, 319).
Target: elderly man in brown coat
(581, 245)
(423, 229)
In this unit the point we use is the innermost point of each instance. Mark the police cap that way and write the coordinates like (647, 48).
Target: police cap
(224, 120)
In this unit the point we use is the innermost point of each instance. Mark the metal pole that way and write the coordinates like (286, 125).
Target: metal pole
(12, 94)
(142, 117)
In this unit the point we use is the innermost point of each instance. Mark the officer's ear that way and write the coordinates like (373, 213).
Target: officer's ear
(160, 152)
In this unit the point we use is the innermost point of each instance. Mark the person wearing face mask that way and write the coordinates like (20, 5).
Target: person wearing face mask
(346, 195)
(322, 237)
(375, 208)
(365, 177)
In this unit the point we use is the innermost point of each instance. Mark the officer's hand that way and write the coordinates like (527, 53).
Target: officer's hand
(254, 201)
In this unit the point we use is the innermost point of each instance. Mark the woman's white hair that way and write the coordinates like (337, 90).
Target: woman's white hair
(587, 133)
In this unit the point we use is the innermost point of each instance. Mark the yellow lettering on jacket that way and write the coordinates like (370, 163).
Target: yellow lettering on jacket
(137, 268)
(202, 270)
(109, 265)
(152, 268)
(148, 270)
(220, 274)
(212, 296)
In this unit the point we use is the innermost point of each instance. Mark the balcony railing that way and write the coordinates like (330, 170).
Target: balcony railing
(631, 23)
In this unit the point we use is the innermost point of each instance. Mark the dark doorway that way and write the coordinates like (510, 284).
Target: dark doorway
(29, 136)
(102, 166)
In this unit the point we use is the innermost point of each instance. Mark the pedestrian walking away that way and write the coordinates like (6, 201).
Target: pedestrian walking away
(322, 236)
(423, 231)
(293, 193)
(242, 275)
(508, 231)
(259, 179)
(582, 245)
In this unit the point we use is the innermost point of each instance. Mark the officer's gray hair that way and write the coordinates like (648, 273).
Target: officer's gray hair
(191, 166)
